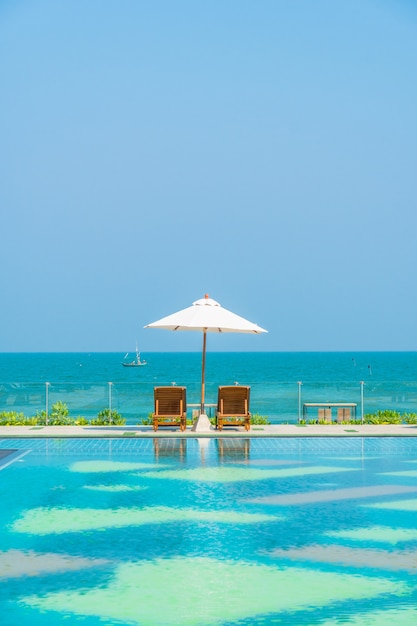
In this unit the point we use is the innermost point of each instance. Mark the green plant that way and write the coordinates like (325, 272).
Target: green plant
(60, 420)
(58, 416)
(59, 409)
(107, 417)
(40, 417)
(148, 421)
(81, 421)
(259, 420)
(383, 417)
(12, 418)
(410, 418)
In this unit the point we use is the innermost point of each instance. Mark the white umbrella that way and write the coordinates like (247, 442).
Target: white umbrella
(207, 316)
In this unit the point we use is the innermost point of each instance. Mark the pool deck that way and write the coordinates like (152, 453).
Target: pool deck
(273, 430)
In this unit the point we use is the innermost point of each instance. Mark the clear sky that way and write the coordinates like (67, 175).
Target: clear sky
(263, 152)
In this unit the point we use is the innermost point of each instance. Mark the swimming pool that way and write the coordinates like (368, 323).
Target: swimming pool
(207, 532)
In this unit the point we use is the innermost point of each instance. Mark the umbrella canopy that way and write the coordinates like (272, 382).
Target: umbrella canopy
(207, 316)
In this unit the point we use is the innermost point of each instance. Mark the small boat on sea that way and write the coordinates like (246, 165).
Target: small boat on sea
(137, 361)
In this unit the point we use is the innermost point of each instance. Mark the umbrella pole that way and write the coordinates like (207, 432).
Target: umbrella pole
(202, 423)
(203, 372)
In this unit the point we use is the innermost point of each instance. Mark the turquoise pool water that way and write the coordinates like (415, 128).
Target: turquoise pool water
(205, 532)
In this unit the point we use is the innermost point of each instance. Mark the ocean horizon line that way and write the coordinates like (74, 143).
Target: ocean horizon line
(210, 352)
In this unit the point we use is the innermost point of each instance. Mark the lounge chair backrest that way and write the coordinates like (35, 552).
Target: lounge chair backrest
(233, 400)
(170, 401)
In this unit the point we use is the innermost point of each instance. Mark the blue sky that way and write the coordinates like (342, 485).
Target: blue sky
(261, 152)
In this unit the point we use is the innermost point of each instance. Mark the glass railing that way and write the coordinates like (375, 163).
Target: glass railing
(278, 401)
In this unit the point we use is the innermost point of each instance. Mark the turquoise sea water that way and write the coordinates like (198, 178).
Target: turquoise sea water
(82, 380)
(210, 532)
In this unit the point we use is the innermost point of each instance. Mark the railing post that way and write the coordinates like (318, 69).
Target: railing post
(110, 399)
(299, 383)
(362, 384)
(46, 402)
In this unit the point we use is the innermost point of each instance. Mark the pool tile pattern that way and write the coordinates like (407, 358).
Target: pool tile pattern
(228, 533)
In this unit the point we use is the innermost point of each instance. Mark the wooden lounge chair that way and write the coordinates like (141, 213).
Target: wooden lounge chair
(343, 415)
(325, 415)
(233, 407)
(170, 407)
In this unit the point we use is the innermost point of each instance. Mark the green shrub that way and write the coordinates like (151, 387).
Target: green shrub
(59, 409)
(59, 420)
(410, 418)
(12, 418)
(107, 417)
(259, 420)
(383, 417)
(58, 416)
(147, 421)
(40, 417)
(81, 421)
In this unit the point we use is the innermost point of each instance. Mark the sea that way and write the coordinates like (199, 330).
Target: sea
(281, 382)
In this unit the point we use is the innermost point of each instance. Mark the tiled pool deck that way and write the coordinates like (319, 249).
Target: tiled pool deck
(273, 430)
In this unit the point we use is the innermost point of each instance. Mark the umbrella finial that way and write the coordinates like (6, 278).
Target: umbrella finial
(206, 296)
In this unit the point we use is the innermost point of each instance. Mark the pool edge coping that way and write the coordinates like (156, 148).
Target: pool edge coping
(282, 431)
